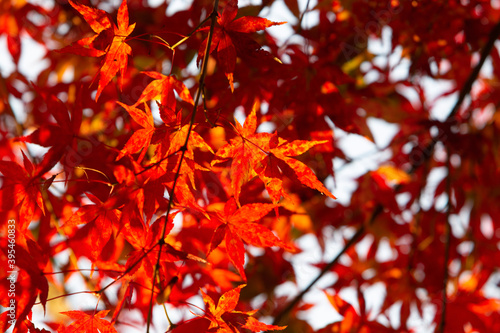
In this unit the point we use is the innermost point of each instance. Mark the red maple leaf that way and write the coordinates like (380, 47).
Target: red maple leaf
(352, 321)
(30, 282)
(10, 26)
(231, 37)
(162, 88)
(172, 135)
(240, 225)
(258, 154)
(225, 319)
(20, 189)
(140, 139)
(116, 52)
(101, 220)
(61, 137)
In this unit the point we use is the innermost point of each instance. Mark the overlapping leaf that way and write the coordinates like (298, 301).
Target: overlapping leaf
(101, 220)
(20, 190)
(140, 140)
(88, 323)
(225, 319)
(231, 33)
(162, 88)
(60, 137)
(240, 224)
(117, 51)
(331, 83)
(258, 154)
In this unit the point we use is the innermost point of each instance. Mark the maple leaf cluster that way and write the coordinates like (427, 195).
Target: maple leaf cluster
(179, 159)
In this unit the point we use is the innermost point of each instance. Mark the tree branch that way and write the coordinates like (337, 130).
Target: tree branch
(494, 34)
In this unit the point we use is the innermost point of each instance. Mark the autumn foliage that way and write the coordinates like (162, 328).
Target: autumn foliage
(165, 168)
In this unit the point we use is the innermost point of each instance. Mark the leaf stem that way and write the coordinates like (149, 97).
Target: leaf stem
(194, 30)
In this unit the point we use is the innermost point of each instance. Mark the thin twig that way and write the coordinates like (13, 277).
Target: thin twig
(299, 25)
(495, 32)
(325, 269)
(191, 33)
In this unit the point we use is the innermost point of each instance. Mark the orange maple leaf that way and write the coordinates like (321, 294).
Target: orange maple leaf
(225, 319)
(116, 54)
(282, 150)
(89, 323)
(163, 87)
(257, 153)
(245, 151)
(141, 139)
